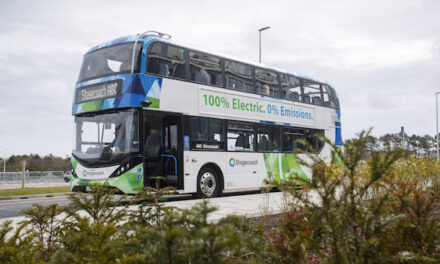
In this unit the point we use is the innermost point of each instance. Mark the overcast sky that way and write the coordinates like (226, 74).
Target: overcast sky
(382, 57)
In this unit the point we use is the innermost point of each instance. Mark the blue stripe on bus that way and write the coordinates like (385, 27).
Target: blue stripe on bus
(338, 134)
(272, 98)
(338, 138)
(267, 122)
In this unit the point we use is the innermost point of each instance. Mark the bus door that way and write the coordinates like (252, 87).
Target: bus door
(172, 150)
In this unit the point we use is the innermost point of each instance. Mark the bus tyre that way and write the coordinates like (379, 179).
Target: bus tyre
(208, 183)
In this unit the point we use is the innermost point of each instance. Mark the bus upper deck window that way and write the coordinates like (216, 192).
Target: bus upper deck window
(290, 88)
(330, 98)
(266, 83)
(166, 60)
(238, 76)
(312, 92)
(204, 68)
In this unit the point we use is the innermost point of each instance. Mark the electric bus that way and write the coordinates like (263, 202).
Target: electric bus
(146, 106)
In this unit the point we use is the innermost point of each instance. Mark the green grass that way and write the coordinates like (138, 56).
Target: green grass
(30, 191)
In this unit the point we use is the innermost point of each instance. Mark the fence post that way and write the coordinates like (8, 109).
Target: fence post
(23, 173)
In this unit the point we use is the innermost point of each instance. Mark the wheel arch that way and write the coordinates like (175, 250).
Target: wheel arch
(219, 173)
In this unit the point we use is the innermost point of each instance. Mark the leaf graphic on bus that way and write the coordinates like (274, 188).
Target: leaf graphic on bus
(271, 160)
(291, 168)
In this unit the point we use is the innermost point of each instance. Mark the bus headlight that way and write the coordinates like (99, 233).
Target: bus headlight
(122, 169)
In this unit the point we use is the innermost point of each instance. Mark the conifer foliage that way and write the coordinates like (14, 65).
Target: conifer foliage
(96, 229)
(375, 210)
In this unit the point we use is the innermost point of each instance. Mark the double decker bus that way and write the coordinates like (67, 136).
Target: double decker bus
(148, 106)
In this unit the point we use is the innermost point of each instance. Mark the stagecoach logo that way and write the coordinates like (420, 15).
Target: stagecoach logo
(92, 173)
(235, 162)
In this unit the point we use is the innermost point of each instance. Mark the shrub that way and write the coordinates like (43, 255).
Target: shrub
(93, 230)
(361, 211)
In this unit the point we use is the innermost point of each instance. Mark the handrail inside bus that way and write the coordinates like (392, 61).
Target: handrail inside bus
(135, 43)
(175, 161)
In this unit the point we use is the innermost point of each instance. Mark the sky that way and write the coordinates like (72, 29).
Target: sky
(382, 57)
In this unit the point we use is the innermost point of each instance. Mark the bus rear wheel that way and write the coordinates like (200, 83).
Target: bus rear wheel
(208, 183)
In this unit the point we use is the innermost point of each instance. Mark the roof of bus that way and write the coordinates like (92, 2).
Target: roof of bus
(151, 37)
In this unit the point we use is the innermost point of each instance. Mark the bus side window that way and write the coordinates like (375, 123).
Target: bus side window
(291, 137)
(312, 92)
(268, 138)
(290, 88)
(238, 76)
(240, 137)
(166, 60)
(330, 99)
(204, 68)
(266, 83)
(205, 133)
(240, 140)
(176, 59)
(156, 63)
(315, 143)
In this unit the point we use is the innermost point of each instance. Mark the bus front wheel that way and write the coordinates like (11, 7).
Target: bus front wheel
(208, 183)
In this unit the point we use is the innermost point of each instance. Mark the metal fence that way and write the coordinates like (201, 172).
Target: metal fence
(32, 177)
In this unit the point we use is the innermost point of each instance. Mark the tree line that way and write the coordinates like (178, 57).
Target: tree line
(35, 162)
(425, 145)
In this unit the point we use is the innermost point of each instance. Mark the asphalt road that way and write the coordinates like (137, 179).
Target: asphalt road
(12, 208)
(15, 207)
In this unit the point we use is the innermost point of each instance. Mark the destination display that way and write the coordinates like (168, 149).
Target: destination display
(262, 109)
(99, 91)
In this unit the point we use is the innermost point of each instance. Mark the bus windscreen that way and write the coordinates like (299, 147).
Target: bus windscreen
(106, 137)
(109, 61)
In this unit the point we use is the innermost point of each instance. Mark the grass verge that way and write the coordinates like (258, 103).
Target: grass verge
(30, 191)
